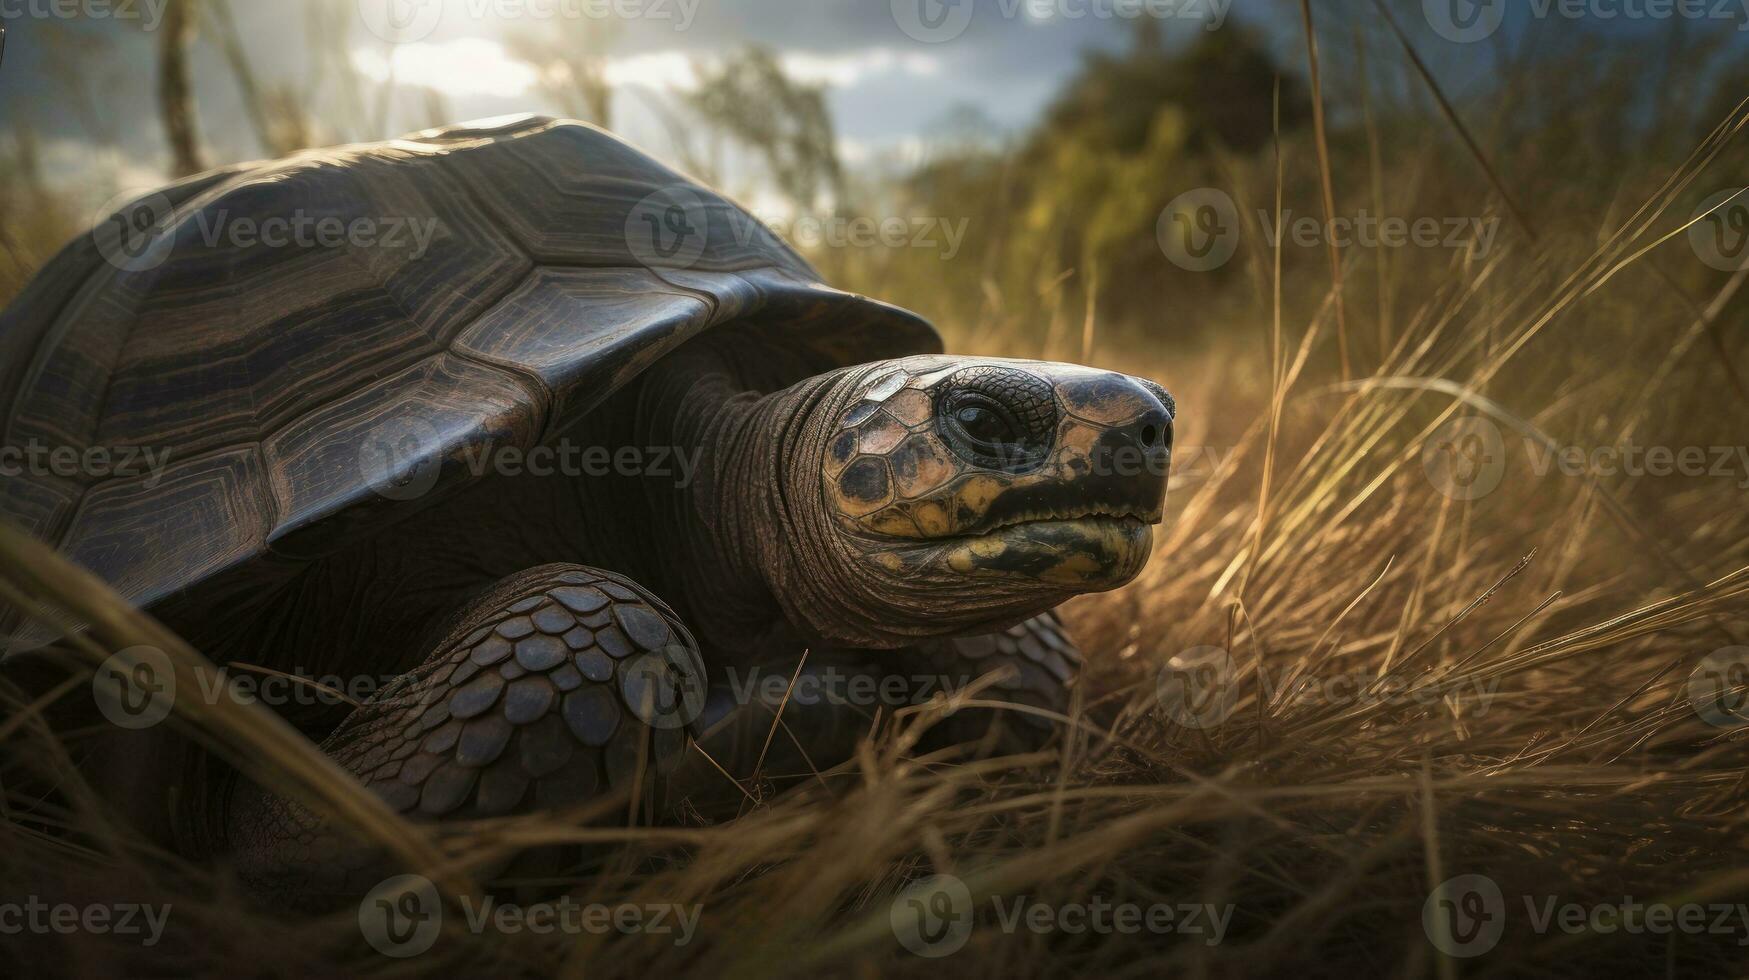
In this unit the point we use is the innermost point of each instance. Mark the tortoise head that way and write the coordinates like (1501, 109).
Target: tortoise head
(975, 492)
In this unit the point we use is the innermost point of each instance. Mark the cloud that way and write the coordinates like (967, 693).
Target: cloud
(673, 69)
(480, 66)
(660, 70)
(851, 67)
(464, 66)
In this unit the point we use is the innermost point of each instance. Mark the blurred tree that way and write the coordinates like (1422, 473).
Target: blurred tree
(749, 96)
(329, 27)
(685, 137)
(963, 130)
(1127, 134)
(1060, 230)
(176, 91)
(34, 220)
(1730, 88)
(278, 113)
(81, 63)
(1222, 84)
(572, 65)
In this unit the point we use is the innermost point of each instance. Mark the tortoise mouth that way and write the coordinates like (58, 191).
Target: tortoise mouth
(1088, 552)
(972, 516)
(1067, 515)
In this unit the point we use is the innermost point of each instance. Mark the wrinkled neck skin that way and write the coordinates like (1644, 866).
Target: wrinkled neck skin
(751, 557)
(718, 533)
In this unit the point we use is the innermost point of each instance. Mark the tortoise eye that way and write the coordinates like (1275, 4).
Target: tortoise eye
(987, 427)
(997, 417)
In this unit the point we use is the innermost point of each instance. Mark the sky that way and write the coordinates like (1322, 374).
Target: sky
(894, 68)
(887, 88)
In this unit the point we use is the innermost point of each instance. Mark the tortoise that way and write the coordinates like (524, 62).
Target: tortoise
(557, 470)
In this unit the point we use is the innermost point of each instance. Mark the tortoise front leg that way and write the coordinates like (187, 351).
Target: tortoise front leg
(554, 687)
(832, 703)
(1035, 664)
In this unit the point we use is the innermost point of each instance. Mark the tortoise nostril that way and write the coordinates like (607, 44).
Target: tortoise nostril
(1151, 433)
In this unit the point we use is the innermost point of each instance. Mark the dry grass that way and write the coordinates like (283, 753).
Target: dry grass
(1563, 757)
(1557, 620)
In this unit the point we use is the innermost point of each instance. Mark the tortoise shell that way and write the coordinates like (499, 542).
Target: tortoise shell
(558, 263)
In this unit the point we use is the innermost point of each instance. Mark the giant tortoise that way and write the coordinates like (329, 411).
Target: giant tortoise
(556, 466)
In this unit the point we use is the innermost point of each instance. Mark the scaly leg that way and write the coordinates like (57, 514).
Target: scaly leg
(832, 704)
(555, 686)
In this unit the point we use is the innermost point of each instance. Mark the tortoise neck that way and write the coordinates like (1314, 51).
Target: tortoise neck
(722, 533)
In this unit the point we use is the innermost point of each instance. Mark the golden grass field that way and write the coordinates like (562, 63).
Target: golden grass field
(1416, 686)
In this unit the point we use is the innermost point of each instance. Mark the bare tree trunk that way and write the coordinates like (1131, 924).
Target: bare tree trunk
(176, 91)
(253, 102)
(598, 94)
(437, 111)
(583, 91)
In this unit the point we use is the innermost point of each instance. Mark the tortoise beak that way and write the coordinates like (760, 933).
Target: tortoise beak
(1123, 473)
(1087, 525)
